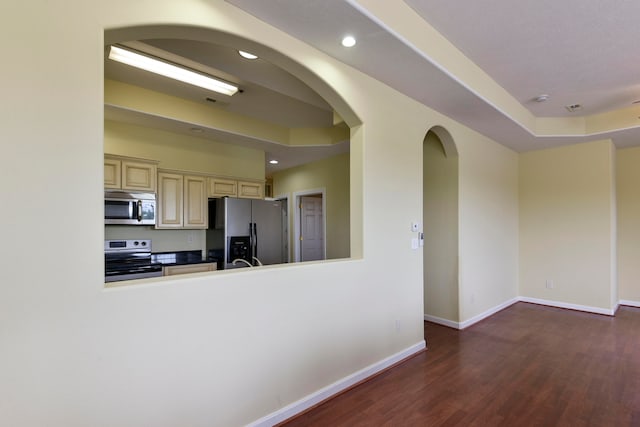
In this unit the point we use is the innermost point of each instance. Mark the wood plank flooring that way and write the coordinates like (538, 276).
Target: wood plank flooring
(528, 365)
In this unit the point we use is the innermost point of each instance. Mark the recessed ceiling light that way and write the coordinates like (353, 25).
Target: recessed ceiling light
(541, 98)
(247, 55)
(273, 162)
(348, 41)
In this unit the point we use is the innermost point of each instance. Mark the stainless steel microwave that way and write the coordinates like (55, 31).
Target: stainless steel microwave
(124, 208)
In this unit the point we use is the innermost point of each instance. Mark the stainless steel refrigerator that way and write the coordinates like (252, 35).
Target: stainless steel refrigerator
(252, 231)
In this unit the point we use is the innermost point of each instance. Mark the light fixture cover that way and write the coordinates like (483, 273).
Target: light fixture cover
(247, 55)
(349, 41)
(166, 69)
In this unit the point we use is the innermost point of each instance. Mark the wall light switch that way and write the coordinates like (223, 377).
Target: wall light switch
(414, 243)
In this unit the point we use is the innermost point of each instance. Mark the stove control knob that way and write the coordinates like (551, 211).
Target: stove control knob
(143, 243)
(136, 243)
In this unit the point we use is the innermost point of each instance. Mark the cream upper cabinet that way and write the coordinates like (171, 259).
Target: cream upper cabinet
(250, 190)
(195, 202)
(138, 176)
(170, 200)
(219, 187)
(182, 201)
(112, 173)
(129, 174)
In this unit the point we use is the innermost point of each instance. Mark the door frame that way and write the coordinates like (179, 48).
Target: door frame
(285, 197)
(297, 226)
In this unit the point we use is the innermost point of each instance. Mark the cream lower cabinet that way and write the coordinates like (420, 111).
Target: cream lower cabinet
(173, 270)
(182, 201)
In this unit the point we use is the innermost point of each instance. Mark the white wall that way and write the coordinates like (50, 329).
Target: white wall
(220, 349)
(567, 225)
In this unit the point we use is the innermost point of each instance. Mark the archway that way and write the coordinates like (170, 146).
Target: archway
(305, 75)
(210, 35)
(440, 219)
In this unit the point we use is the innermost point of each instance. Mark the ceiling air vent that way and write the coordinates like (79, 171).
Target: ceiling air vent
(573, 108)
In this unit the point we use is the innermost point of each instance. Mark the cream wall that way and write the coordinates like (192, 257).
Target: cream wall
(487, 224)
(176, 151)
(628, 192)
(332, 175)
(567, 224)
(219, 349)
(440, 219)
(161, 240)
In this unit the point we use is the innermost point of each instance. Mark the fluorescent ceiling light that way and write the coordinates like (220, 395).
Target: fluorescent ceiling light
(169, 70)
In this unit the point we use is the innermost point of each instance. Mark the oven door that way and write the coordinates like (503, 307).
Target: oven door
(142, 273)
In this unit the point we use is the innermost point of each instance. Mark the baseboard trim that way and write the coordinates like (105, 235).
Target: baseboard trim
(337, 387)
(488, 313)
(559, 304)
(441, 321)
(550, 303)
(629, 303)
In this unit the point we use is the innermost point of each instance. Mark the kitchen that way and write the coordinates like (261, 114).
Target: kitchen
(195, 147)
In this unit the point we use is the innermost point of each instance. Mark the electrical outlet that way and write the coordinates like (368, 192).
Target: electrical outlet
(549, 284)
(398, 325)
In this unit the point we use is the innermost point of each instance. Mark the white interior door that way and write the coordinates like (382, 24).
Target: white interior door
(311, 232)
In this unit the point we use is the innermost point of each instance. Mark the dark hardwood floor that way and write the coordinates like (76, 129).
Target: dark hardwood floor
(528, 365)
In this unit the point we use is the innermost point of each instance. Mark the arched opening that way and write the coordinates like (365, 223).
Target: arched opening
(208, 140)
(440, 219)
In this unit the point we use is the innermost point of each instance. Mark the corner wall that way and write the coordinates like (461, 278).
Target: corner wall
(440, 219)
(332, 174)
(488, 225)
(567, 223)
(628, 192)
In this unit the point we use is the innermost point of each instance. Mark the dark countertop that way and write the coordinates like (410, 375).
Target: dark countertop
(180, 258)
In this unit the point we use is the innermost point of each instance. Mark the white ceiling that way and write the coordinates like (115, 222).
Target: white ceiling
(577, 52)
(268, 93)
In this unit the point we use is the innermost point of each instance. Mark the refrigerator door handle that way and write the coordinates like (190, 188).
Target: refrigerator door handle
(255, 240)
